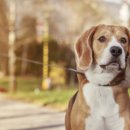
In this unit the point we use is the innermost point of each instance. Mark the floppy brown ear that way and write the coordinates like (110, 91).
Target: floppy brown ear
(128, 33)
(129, 41)
(83, 49)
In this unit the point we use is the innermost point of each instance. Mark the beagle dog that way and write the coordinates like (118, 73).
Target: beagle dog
(102, 101)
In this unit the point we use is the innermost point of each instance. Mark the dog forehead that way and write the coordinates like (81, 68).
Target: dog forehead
(110, 30)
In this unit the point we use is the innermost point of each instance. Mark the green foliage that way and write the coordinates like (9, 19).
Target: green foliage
(60, 55)
(27, 91)
(54, 98)
(57, 76)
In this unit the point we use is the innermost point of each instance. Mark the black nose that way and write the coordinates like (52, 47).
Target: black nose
(116, 51)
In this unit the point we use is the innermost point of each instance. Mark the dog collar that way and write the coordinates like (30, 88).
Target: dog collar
(117, 80)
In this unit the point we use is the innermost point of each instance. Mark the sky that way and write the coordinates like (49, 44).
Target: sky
(114, 1)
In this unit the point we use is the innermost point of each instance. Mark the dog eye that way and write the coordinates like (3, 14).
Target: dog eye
(123, 40)
(102, 39)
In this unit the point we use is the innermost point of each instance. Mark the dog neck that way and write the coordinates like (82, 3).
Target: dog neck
(105, 78)
(116, 80)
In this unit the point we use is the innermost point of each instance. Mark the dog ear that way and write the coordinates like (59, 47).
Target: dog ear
(83, 49)
(129, 40)
(127, 30)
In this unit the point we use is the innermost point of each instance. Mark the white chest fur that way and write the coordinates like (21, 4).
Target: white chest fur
(104, 111)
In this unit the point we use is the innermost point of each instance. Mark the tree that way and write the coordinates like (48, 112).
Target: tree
(27, 36)
(4, 30)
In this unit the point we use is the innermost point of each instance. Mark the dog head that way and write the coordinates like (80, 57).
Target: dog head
(101, 52)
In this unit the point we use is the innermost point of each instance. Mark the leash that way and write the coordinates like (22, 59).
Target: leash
(114, 82)
(40, 63)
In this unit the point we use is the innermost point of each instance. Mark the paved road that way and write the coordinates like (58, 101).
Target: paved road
(16, 115)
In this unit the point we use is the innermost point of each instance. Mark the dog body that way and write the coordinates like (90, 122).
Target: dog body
(101, 53)
(104, 109)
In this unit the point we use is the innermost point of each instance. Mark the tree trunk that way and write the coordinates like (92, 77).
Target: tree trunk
(24, 56)
(11, 53)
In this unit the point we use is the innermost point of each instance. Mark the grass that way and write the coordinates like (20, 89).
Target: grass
(28, 91)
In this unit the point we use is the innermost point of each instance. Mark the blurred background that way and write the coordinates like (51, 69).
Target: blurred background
(36, 46)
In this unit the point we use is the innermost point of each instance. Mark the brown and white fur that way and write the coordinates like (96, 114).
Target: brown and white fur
(96, 106)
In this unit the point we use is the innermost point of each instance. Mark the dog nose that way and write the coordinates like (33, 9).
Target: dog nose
(116, 51)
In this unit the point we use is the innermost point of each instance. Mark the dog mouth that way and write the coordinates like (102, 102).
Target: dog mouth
(114, 64)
